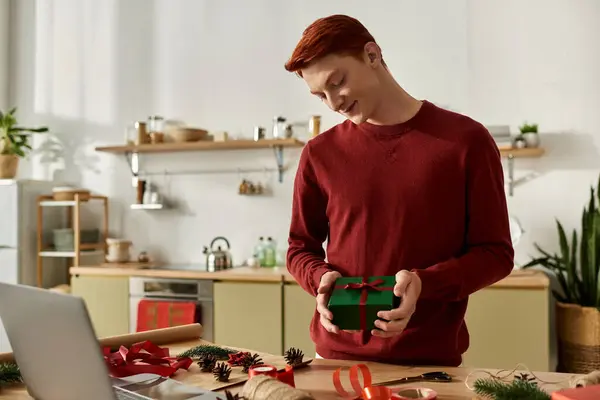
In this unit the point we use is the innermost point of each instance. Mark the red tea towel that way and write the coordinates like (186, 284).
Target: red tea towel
(582, 393)
(164, 314)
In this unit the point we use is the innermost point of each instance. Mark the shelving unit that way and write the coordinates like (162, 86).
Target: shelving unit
(132, 152)
(511, 153)
(73, 210)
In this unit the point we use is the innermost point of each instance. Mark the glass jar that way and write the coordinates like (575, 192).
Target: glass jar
(156, 124)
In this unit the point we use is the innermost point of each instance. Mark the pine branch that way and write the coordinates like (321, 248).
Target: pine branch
(221, 353)
(9, 373)
(518, 389)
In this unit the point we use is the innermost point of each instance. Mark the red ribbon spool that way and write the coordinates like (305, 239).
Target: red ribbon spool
(368, 392)
(286, 376)
(143, 358)
(268, 370)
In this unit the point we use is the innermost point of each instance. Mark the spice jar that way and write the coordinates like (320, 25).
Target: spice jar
(156, 125)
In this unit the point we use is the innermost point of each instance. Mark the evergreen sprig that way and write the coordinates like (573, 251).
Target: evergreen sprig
(221, 353)
(9, 373)
(518, 389)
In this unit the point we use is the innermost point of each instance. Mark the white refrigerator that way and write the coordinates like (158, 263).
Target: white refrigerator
(18, 237)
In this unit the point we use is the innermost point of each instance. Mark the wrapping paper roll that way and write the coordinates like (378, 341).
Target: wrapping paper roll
(159, 337)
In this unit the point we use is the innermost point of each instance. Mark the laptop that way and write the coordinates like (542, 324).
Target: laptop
(60, 357)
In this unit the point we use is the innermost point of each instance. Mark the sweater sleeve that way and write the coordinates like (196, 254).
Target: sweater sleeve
(308, 229)
(489, 253)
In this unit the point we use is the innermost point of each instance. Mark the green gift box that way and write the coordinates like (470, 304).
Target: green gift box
(355, 301)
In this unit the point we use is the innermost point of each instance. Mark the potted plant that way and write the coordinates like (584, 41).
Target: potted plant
(529, 132)
(577, 269)
(14, 143)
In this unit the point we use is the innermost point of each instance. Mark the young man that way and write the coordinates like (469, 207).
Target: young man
(402, 188)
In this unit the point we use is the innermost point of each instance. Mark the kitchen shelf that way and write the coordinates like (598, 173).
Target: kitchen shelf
(64, 203)
(147, 207)
(511, 153)
(532, 152)
(69, 254)
(203, 146)
(73, 212)
(132, 152)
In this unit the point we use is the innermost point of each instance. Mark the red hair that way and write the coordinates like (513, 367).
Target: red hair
(336, 34)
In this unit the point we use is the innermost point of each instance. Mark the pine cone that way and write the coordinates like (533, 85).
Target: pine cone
(207, 363)
(221, 371)
(525, 377)
(230, 396)
(293, 356)
(250, 361)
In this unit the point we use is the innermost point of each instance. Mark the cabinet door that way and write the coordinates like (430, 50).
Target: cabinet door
(508, 327)
(248, 315)
(299, 307)
(107, 301)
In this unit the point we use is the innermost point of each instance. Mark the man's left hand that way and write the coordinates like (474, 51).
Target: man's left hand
(408, 288)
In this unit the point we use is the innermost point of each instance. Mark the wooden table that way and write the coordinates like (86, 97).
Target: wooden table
(317, 378)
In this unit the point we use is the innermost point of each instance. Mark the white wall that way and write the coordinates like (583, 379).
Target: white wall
(89, 68)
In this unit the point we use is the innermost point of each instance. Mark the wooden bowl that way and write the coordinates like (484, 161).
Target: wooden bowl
(183, 134)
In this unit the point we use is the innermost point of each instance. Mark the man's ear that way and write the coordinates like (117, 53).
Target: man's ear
(373, 54)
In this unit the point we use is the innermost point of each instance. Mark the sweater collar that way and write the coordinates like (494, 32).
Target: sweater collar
(397, 129)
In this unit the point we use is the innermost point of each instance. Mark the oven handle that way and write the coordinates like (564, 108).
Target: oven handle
(171, 296)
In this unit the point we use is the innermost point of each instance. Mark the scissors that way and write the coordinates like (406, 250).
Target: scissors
(437, 376)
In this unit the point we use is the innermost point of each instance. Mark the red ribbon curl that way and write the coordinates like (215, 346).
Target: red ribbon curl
(143, 358)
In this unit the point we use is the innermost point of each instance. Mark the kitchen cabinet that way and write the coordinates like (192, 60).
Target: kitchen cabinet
(249, 315)
(107, 301)
(508, 326)
(299, 307)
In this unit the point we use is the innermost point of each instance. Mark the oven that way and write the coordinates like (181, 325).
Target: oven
(173, 290)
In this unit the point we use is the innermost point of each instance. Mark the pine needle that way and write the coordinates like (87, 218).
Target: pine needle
(9, 373)
(518, 389)
(221, 353)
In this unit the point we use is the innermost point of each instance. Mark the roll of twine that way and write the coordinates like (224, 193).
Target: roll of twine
(263, 387)
(593, 378)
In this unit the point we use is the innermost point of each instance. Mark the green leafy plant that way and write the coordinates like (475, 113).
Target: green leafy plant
(14, 140)
(528, 128)
(577, 266)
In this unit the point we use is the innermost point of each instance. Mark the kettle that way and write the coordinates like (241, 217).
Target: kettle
(218, 259)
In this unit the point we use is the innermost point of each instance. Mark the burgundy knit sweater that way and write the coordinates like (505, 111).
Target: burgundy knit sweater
(426, 195)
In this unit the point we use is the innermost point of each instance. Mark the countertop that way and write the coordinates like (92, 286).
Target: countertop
(523, 279)
(317, 378)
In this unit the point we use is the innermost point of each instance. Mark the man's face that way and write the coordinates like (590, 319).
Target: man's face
(346, 84)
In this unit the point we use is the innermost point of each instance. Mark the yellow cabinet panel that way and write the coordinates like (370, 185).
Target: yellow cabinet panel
(299, 307)
(107, 301)
(249, 315)
(508, 327)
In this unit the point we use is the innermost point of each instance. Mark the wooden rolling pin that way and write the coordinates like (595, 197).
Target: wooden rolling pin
(159, 337)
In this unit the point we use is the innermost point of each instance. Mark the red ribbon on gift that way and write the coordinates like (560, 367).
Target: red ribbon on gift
(143, 358)
(367, 391)
(364, 287)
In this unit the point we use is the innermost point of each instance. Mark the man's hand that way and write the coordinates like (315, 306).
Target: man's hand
(323, 293)
(408, 288)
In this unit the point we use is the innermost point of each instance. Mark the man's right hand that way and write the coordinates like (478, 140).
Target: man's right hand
(323, 293)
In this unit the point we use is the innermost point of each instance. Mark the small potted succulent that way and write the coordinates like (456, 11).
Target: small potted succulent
(14, 143)
(529, 132)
